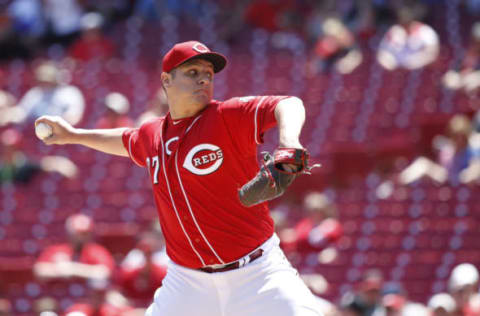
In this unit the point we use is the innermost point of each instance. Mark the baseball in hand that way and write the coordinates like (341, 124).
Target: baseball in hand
(43, 130)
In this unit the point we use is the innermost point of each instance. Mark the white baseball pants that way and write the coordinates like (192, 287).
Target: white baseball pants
(268, 286)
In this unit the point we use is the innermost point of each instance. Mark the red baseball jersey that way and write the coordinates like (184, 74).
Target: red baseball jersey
(196, 166)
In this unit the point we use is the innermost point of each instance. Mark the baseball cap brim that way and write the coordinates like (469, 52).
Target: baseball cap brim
(218, 60)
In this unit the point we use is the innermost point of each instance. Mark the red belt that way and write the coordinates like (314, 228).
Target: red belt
(235, 265)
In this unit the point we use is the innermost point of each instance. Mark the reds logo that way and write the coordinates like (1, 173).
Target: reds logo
(203, 159)
(199, 47)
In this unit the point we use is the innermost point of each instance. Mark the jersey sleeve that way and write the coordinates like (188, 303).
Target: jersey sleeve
(248, 118)
(135, 146)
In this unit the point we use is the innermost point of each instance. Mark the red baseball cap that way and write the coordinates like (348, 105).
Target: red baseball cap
(186, 51)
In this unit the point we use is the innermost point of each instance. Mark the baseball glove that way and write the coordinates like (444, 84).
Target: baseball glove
(272, 180)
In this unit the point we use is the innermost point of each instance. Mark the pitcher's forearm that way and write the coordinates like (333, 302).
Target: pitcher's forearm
(61, 132)
(106, 140)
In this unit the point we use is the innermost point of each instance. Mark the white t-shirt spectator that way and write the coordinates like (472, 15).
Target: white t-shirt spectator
(410, 47)
(63, 100)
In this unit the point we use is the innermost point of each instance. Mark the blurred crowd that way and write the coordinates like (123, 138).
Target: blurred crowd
(374, 296)
(55, 37)
(82, 264)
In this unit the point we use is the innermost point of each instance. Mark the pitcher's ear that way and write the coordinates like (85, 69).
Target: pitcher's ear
(165, 78)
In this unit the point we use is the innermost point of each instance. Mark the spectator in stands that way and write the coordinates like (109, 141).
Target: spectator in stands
(314, 233)
(80, 258)
(157, 107)
(467, 75)
(457, 158)
(92, 44)
(336, 47)
(144, 267)
(117, 107)
(441, 304)
(63, 18)
(394, 302)
(365, 301)
(50, 96)
(409, 44)
(317, 229)
(463, 286)
(16, 167)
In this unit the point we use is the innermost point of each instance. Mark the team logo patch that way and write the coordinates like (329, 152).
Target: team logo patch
(203, 159)
(200, 48)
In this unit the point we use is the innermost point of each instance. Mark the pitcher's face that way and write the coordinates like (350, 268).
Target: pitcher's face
(191, 82)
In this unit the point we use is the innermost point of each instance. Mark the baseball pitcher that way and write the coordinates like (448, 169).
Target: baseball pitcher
(210, 191)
